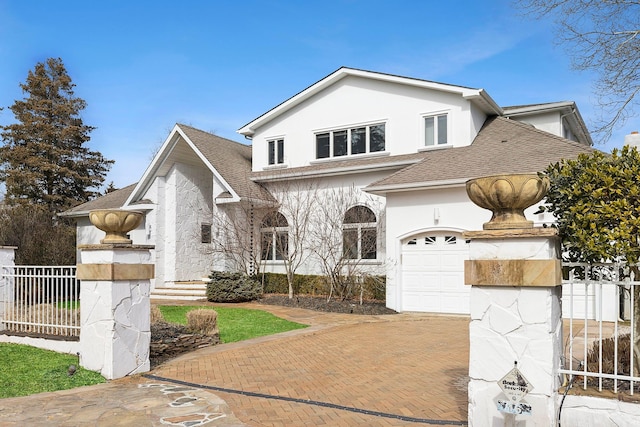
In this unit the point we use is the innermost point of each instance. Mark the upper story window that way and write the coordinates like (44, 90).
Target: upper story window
(346, 142)
(435, 130)
(359, 234)
(276, 151)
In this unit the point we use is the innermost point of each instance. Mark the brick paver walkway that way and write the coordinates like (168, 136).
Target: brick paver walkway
(411, 367)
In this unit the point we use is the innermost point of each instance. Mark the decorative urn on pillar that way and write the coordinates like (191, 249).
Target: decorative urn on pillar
(507, 196)
(116, 223)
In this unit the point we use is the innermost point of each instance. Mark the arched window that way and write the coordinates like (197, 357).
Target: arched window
(359, 235)
(274, 234)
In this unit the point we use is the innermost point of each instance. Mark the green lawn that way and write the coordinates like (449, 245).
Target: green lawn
(235, 324)
(27, 370)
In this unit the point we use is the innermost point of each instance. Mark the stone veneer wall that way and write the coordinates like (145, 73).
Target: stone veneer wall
(194, 187)
(187, 204)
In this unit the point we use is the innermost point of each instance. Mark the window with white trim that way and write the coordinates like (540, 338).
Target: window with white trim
(347, 142)
(276, 151)
(436, 130)
(274, 237)
(359, 234)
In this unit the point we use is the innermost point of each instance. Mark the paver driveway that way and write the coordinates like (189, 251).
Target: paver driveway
(345, 370)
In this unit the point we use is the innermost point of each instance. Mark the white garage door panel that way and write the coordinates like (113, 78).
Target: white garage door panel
(451, 262)
(417, 261)
(433, 273)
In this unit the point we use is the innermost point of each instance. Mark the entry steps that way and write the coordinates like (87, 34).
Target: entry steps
(184, 291)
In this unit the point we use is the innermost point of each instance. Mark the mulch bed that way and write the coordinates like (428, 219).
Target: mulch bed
(332, 306)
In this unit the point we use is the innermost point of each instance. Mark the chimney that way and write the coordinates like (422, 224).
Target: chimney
(632, 140)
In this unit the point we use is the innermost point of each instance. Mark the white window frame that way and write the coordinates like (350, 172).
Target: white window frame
(277, 153)
(349, 129)
(359, 227)
(273, 233)
(436, 130)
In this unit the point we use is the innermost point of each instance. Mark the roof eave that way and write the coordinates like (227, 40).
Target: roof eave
(484, 101)
(429, 185)
(335, 171)
(480, 95)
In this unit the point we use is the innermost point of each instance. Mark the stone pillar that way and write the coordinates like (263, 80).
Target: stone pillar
(115, 310)
(7, 289)
(515, 274)
(515, 317)
(115, 329)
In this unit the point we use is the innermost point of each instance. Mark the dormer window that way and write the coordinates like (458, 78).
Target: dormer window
(435, 130)
(276, 151)
(347, 142)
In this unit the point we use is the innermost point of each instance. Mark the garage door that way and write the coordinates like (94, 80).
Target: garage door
(433, 273)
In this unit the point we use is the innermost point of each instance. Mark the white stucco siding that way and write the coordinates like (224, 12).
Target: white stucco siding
(548, 122)
(168, 224)
(356, 101)
(477, 120)
(193, 188)
(87, 233)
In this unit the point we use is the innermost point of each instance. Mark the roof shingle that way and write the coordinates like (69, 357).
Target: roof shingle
(231, 159)
(502, 146)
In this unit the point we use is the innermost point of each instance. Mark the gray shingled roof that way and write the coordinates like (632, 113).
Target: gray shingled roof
(502, 146)
(113, 200)
(231, 159)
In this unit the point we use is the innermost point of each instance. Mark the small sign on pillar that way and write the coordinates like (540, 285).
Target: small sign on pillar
(514, 386)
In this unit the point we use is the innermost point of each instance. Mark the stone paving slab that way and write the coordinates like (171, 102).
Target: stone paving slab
(128, 402)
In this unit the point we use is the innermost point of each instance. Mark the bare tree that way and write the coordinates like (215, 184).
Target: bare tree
(336, 231)
(345, 237)
(286, 229)
(600, 36)
(233, 237)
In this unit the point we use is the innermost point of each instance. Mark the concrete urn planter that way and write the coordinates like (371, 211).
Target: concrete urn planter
(507, 196)
(116, 224)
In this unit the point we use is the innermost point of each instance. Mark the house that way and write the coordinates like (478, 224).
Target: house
(361, 171)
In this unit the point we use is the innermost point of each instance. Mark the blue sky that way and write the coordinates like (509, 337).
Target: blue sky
(216, 65)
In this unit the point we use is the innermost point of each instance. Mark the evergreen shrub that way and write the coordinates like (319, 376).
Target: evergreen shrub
(232, 287)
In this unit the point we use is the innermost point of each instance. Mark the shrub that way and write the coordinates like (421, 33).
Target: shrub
(203, 321)
(156, 314)
(374, 287)
(232, 287)
(608, 355)
(276, 283)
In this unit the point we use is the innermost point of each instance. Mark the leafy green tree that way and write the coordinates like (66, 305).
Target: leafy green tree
(44, 159)
(596, 201)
